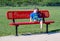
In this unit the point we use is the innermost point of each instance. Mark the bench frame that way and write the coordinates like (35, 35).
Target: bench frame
(16, 26)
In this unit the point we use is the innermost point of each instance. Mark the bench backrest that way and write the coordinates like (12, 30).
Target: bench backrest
(25, 14)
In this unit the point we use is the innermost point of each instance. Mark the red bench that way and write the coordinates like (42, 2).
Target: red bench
(13, 15)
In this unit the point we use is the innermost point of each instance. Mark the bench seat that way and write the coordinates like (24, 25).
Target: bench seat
(28, 23)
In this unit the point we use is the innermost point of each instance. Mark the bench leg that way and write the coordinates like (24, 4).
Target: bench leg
(16, 30)
(46, 28)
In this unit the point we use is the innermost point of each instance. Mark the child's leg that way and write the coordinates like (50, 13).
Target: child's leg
(41, 23)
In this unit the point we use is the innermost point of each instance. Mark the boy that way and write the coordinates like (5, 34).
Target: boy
(35, 16)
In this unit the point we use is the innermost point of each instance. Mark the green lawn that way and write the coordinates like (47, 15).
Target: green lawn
(6, 29)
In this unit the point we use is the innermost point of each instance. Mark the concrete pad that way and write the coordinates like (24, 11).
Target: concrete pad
(37, 37)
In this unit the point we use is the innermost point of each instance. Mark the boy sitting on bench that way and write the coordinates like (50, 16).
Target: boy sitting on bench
(36, 16)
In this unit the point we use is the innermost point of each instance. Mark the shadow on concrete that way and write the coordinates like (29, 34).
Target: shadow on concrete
(50, 32)
(54, 31)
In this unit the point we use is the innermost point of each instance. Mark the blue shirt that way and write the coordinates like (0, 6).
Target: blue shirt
(35, 16)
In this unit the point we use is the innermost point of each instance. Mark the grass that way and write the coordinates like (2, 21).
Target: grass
(6, 29)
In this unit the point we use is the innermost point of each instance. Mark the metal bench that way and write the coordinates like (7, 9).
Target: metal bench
(13, 15)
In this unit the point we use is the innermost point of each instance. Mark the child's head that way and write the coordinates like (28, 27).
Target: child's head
(36, 10)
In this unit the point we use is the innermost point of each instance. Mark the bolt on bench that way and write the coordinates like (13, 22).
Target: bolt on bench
(13, 15)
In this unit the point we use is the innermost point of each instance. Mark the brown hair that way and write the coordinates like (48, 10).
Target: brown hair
(36, 8)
